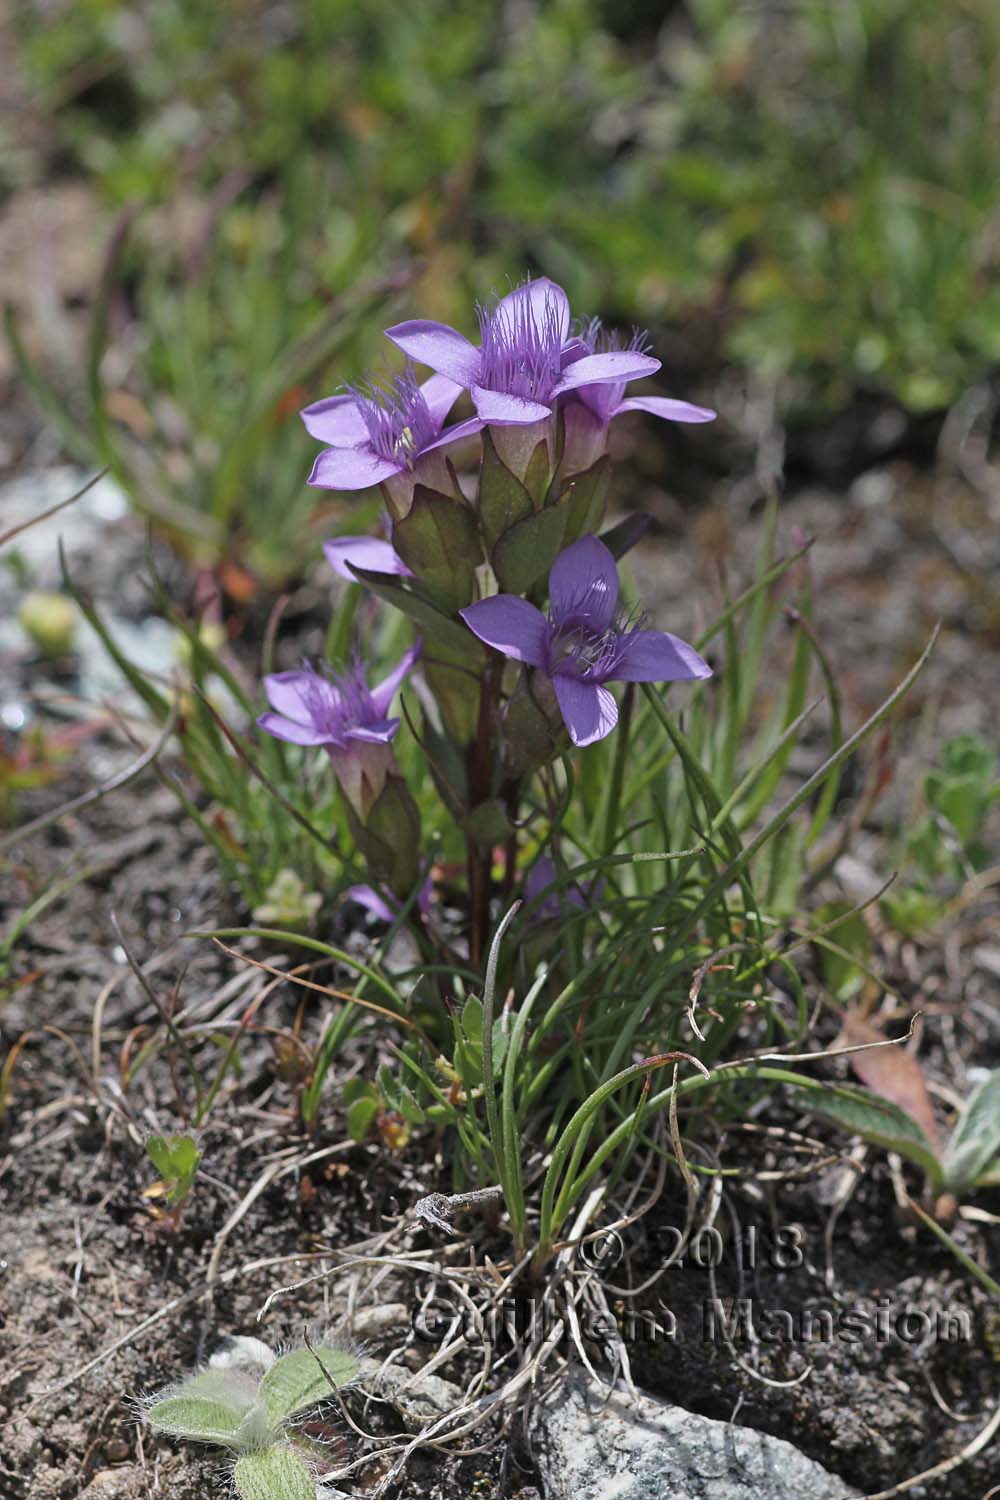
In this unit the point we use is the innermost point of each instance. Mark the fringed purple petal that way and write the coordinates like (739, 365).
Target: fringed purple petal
(539, 301)
(379, 732)
(657, 656)
(440, 395)
(336, 421)
(363, 552)
(510, 625)
(617, 364)
(288, 694)
(351, 469)
(668, 409)
(383, 695)
(583, 585)
(442, 348)
(500, 410)
(287, 729)
(589, 711)
(455, 434)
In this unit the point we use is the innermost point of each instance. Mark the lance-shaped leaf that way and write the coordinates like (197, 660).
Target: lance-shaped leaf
(876, 1120)
(276, 1473)
(438, 540)
(975, 1141)
(297, 1380)
(538, 473)
(407, 596)
(584, 498)
(389, 839)
(503, 499)
(530, 738)
(623, 537)
(527, 551)
(456, 692)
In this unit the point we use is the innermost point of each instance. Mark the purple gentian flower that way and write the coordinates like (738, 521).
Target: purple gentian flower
(376, 434)
(340, 712)
(583, 643)
(541, 878)
(526, 357)
(363, 552)
(589, 409)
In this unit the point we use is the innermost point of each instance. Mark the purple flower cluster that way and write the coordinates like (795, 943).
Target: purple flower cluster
(551, 386)
(529, 364)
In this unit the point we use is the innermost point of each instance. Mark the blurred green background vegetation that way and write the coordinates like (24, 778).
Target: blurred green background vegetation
(800, 194)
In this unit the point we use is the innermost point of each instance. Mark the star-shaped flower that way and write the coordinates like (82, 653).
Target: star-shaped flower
(583, 643)
(376, 433)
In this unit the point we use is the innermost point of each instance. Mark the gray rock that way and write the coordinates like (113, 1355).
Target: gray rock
(418, 1398)
(589, 1447)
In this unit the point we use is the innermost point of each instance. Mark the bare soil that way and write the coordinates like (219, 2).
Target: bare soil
(83, 1261)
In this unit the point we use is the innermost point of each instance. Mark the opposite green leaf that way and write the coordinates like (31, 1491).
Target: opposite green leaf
(197, 1418)
(438, 540)
(273, 1474)
(296, 1381)
(527, 551)
(503, 499)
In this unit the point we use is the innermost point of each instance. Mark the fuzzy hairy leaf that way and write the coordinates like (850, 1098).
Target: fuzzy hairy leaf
(276, 1473)
(198, 1418)
(296, 1381)
(975, 1141)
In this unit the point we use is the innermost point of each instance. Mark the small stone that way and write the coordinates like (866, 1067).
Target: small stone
(419, 1399)
(113, 1484)
(591, 1444)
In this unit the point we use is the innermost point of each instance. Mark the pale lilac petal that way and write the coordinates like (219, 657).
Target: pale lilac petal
(442, 348)
(589, 711)
(455, 434)
(288, 694)
(502, 410)
(616, 364)
(510, 625)
(657, 656)
(668, 409)
(440, 395)
(379, 732)
(542, 299)
(287, 729)
(583, 584)
(336, 421)
(364, 895)
(383, 695)
(351, 469)
(363, 552)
